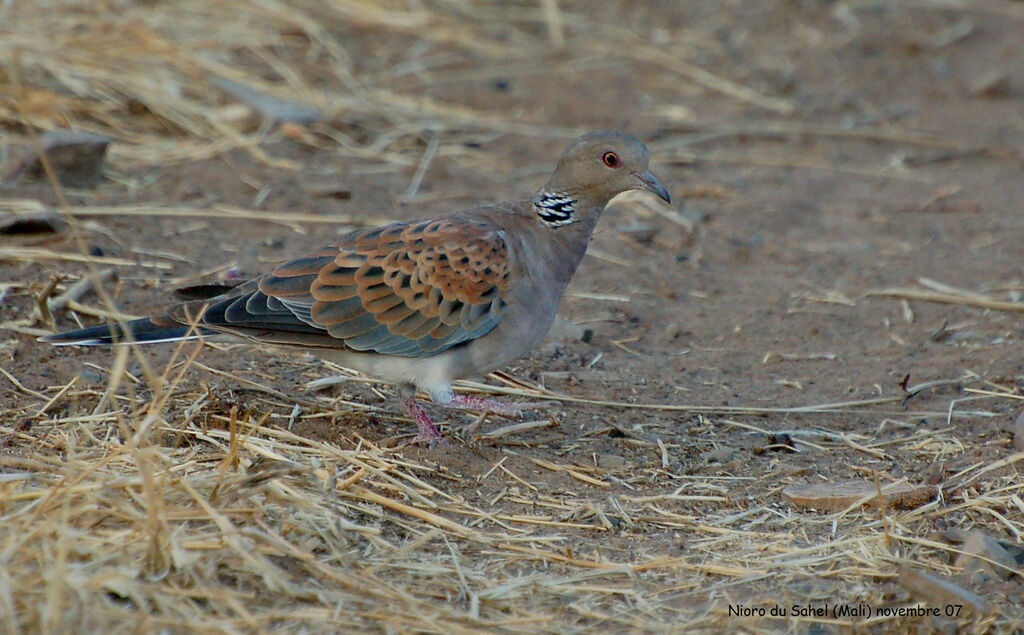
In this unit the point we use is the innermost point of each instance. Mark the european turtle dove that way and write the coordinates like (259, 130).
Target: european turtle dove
(424, 302)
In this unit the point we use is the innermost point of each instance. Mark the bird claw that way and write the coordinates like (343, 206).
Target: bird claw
(428, 432)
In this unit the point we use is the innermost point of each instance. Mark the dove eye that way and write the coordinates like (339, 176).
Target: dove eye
(610, 159)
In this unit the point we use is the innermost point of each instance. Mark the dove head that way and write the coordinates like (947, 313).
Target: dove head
(593, 170)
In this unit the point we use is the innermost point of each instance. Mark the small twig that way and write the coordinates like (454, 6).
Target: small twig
(962, 298)
(516, 428)
(22, 388)
(33, 254)
(860, 448)
(421, 170)
(43, 303)
(78, 289)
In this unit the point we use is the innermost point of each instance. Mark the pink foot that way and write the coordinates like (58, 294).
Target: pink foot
(428, 431)
(485, 404)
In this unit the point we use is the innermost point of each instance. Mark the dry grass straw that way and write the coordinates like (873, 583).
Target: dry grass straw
(171, 510)
(934, 291)
(155, 503)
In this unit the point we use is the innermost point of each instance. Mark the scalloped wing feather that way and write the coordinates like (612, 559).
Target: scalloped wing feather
(408, 289)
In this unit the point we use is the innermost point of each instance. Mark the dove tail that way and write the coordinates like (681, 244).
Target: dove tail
(142, 331)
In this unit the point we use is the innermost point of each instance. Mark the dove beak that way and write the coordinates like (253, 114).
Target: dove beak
(651, 184)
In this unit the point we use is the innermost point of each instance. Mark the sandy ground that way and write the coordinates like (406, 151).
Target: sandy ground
(847, 223)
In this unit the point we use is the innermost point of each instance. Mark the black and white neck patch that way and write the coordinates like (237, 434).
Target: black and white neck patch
(555, 208)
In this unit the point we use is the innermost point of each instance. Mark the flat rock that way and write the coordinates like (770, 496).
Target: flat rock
(77, 158)
(32, 227)
(979, 547)
(940, 593)
(840, 495)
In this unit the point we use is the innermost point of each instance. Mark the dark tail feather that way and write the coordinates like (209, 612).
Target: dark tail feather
(143, 331)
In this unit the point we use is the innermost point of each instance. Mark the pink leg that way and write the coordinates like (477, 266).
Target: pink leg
(428, 431)
(485, 404)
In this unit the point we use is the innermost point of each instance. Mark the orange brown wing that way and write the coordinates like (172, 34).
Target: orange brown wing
(410, 289)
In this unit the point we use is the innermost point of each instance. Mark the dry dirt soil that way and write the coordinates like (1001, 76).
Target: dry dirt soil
(834, 295)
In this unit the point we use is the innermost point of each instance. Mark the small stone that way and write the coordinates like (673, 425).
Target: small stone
(76, 158)
(721, 454)
(90, 376)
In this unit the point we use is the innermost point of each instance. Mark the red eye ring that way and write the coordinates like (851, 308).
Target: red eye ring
(610, 159)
